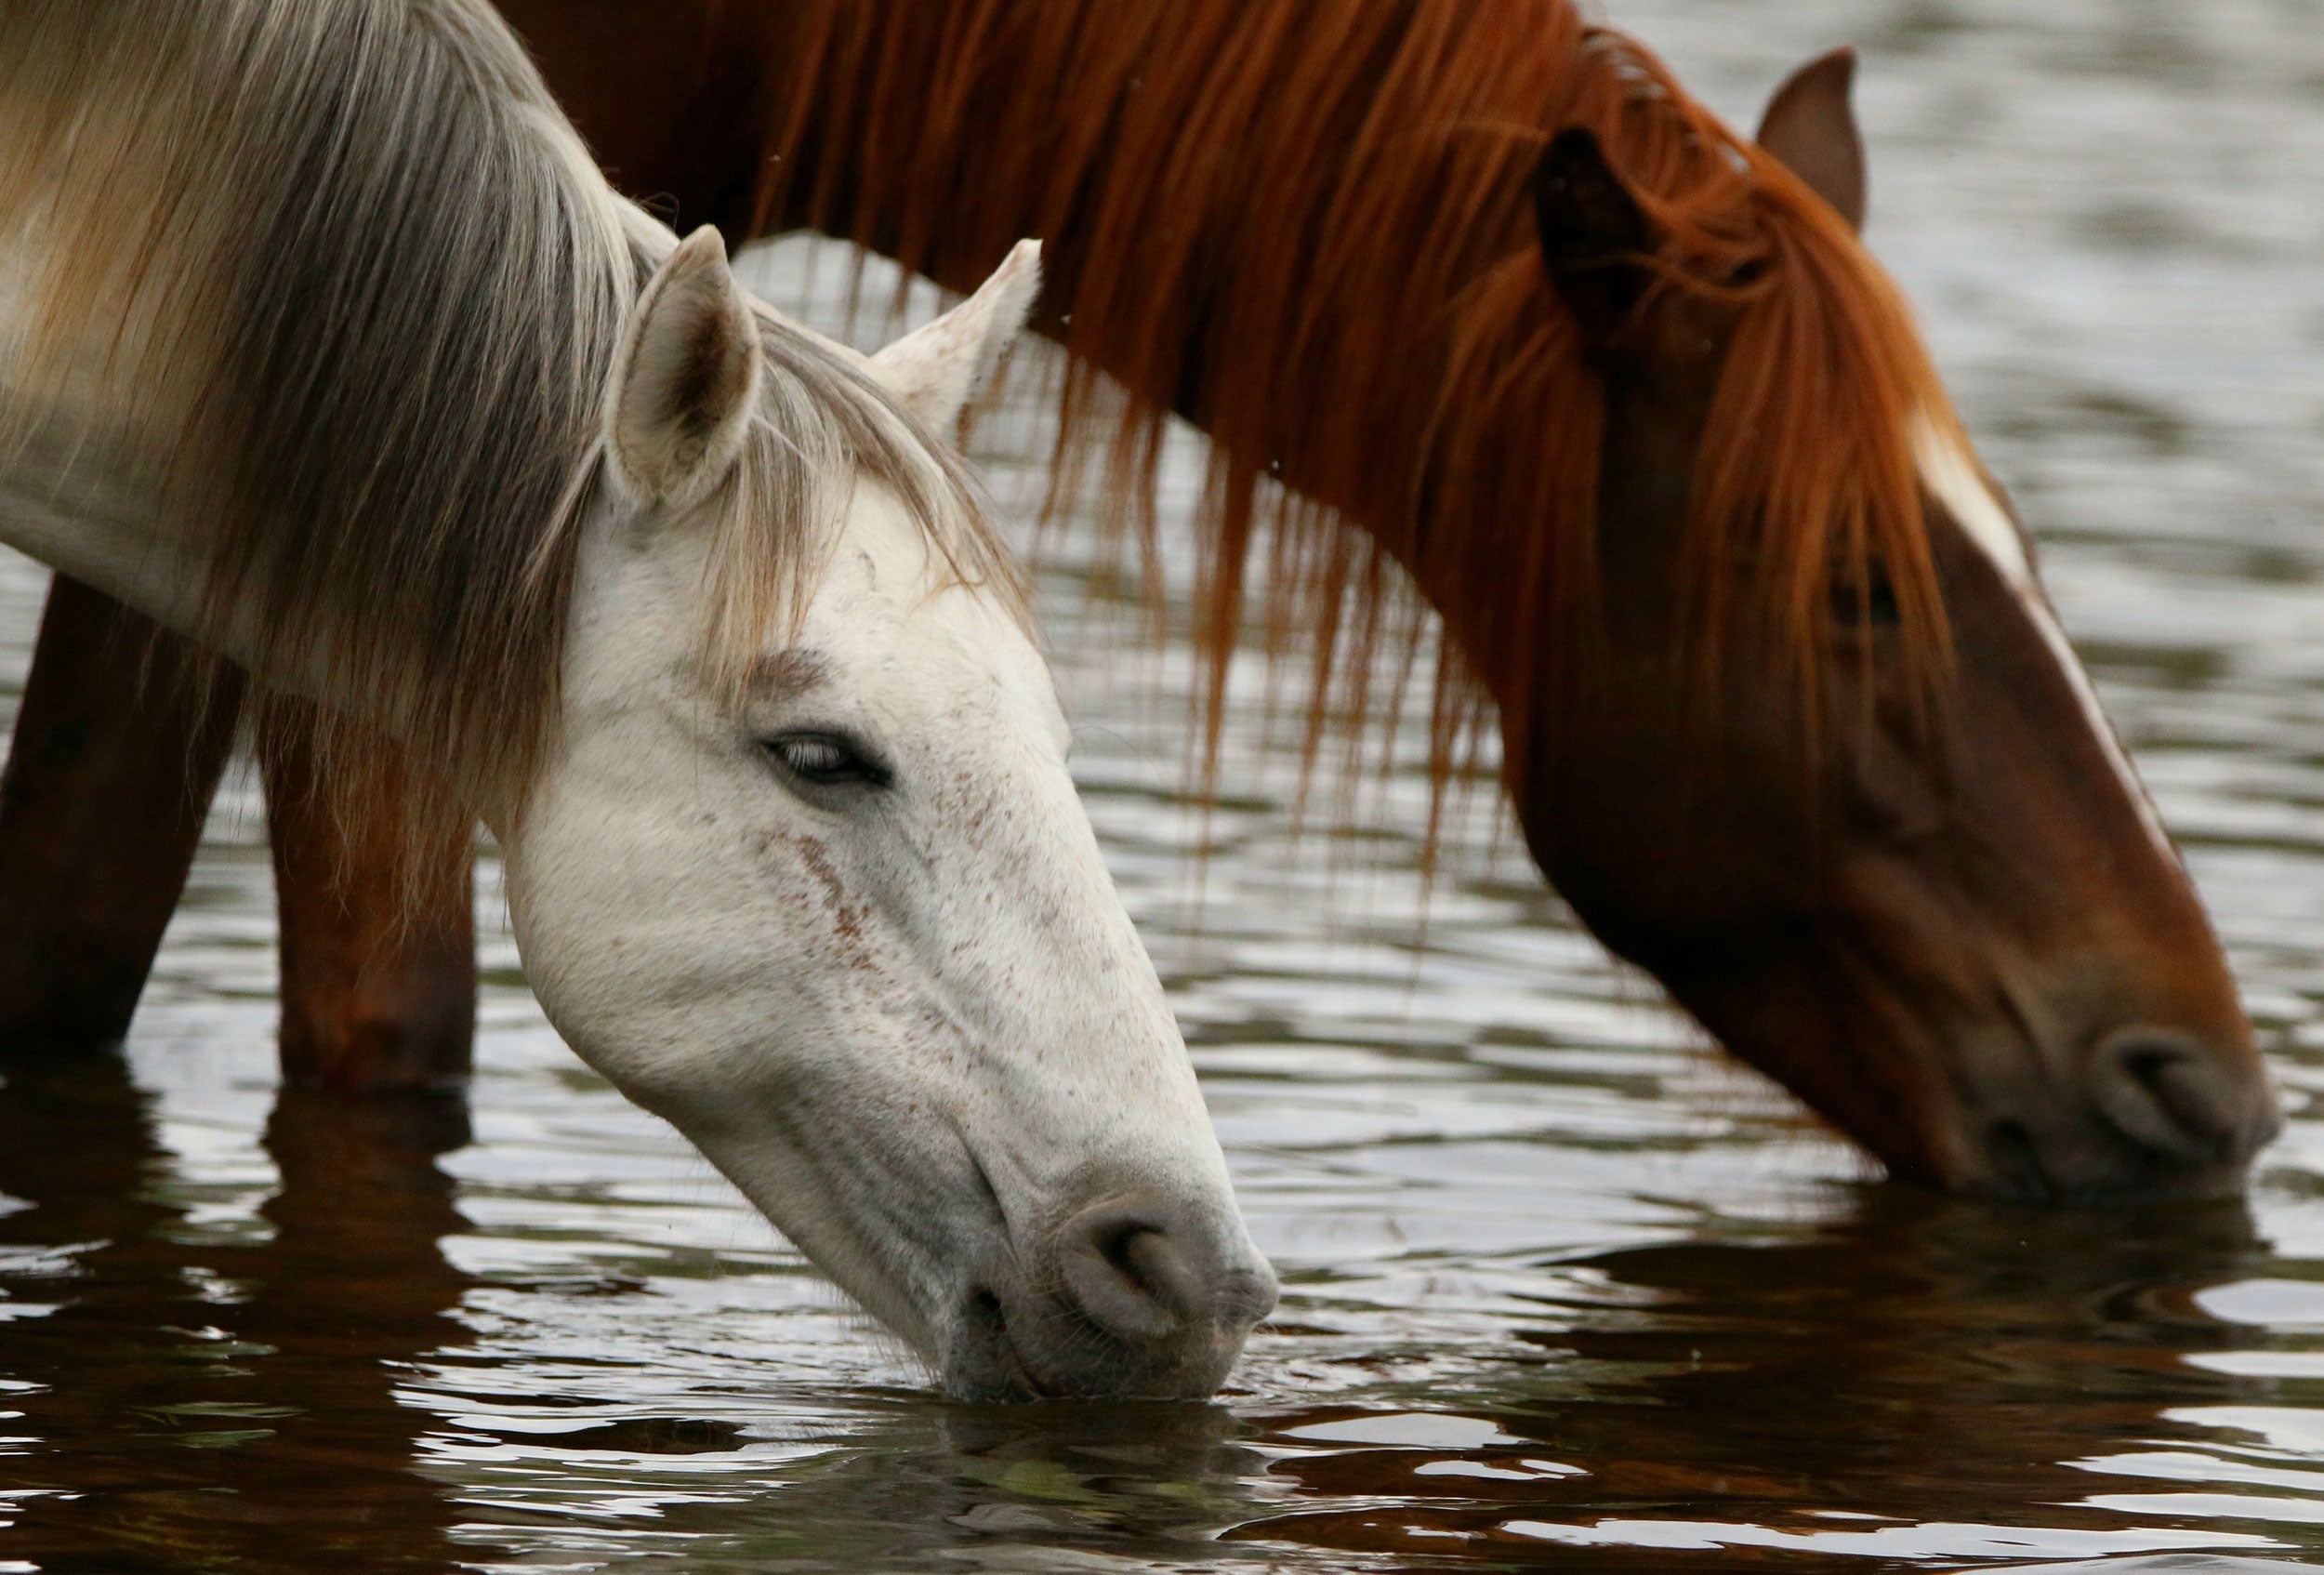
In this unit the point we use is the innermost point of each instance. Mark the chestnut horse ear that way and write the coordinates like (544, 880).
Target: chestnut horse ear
(1811, 126)
(1595, 239)
(935, 370)
(686, 378)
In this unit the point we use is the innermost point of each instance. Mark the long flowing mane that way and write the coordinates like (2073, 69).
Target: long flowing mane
(1308, 224)
(342, 277)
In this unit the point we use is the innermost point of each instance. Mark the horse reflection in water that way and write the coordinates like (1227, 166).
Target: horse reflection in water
(229, 1406)
(1776, 1391)
(942, 1488)
(208, 1403)
(1756, 1386)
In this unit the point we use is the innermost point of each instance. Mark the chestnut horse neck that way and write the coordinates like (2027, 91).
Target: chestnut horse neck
(1311, 237)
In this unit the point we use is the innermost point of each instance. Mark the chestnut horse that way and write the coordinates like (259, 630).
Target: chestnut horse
(1785, 713)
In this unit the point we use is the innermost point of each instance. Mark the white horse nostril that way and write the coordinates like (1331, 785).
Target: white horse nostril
(1128, 1273)
(1135, 1295)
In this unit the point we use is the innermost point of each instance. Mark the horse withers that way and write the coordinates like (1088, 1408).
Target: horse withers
(685, 601)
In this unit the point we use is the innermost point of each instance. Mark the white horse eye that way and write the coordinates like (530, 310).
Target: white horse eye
(827, 760)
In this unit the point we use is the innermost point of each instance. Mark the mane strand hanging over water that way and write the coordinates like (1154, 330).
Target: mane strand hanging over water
(1313, 224)
(340, 275)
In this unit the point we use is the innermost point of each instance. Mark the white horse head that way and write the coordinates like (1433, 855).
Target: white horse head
(848, 927)
(685, 601)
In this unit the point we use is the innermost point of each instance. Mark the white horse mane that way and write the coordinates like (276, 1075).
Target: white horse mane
(342, 277)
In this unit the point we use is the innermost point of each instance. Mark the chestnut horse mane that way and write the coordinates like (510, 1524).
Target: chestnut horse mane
(1312, 223)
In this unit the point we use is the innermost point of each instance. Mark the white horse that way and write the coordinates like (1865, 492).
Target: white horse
(323, 341)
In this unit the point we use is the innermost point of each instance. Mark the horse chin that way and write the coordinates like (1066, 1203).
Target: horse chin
(1069, 1358)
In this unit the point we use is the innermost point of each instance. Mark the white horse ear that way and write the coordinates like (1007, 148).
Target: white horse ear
(934, 372)
(686, 378)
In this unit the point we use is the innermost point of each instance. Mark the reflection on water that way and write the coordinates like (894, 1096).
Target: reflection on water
(191, 1398)
(1560, 1290)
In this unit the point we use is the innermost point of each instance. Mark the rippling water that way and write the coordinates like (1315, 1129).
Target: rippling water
(1561, 1288)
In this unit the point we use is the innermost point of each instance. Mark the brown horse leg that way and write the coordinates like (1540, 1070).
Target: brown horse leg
(108, 780)
(374, 998)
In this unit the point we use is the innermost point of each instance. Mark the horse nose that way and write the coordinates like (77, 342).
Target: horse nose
(2181, 1099)
(1171, 1296)
(1131, 1296)
(1148, 1280)
(2165, 1114)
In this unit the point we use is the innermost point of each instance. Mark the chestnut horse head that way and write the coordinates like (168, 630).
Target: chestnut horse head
(1954, 924)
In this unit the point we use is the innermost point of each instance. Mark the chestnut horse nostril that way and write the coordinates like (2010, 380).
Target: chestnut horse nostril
(2173, 1095)
(2162, 1112)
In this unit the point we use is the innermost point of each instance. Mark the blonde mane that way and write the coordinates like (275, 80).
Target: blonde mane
(1306, 228)
(343, 277)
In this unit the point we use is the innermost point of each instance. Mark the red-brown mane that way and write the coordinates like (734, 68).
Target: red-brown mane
(1269, 165)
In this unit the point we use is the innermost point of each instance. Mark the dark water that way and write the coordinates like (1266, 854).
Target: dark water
(1561, 1288)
